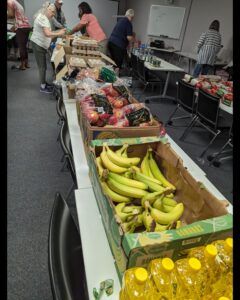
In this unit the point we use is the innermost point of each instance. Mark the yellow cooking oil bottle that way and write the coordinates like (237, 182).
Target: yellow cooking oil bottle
(191, 279)
(163, 274)
(225, 253)
(223, 287)
(210, 265)
(137, 285)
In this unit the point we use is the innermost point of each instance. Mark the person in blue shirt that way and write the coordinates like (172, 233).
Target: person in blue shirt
(121, 35)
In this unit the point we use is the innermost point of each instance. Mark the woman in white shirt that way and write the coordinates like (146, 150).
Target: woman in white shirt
(41, 40)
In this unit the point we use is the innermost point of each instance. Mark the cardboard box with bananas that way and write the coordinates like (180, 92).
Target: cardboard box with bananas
(151, 205)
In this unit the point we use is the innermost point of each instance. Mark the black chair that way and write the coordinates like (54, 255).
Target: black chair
(61, 110)
(218, 157)
(146, 76)
(133, 61)
(207, 116)
(65, 143)
(186, 100)
(71, 168)
(65, 257)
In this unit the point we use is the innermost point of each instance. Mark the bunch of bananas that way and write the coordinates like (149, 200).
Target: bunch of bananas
(143, 195)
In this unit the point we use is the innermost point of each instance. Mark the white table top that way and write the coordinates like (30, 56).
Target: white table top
(80, 161)
(165, 66)
(228, 109)
(194, 56)
(171, 50)
(98, 259)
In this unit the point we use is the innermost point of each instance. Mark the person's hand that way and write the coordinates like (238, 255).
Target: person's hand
(13, 28)
(62, 31)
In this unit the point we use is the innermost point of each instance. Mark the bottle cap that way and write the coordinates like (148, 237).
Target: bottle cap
(210, 251)
(141, 275)
(223, 298)
(228, 245)
(168, 264)
(194, 264)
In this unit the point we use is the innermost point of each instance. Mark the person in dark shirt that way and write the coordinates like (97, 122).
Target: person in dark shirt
(121, 35)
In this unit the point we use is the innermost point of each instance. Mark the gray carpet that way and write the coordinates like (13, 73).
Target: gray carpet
(33, 178)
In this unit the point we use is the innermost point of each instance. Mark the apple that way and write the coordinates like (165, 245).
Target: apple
(104, 116)
(118, 113)
(100, 123)
(112, 120)
(118, 103)
(92, 116)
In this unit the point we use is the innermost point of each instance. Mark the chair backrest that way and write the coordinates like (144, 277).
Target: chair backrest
(71, 167)
(186, 96)
(142, 72)
(134, 63)
(65, 140)
(61, 111)
(208, 108)
(65, 258)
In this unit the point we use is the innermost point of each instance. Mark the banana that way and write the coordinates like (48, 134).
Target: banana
(121, 150)
(124, 154)
(99, 166)
(169, 201)
(109, 164)
(135, 169)
(160, 227)
(148, 221)
(158, 203)
(119, 160)
(130, 226)
(170, 195)
(153, 187)
(167, 208)
(123, 216)
(145, 168)
(179, 224)
(158, 174)
(114, 196)
(167, 218)
(151, 197)
(132, 208)
(128, 174)
(127, 181)
(125, 190)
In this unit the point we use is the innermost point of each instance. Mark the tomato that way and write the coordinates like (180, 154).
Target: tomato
(199, 85)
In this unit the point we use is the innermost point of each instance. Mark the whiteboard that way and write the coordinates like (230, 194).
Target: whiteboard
(165, 21)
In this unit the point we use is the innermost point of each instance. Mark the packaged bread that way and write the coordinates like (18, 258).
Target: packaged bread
(77, 62)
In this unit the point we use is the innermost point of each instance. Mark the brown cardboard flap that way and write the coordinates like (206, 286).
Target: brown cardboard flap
(61, 73)
(199, 203)
(58, 58)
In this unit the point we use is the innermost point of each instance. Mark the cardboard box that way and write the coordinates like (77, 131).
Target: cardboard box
(207, 217)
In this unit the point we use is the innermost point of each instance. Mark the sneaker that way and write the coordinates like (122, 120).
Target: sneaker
(49, 85)
(46, 90)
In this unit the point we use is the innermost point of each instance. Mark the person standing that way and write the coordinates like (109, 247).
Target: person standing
(208, 47)
(22, 29)
(121, 35)
(41, 39)
(93, 28)
(59, 21)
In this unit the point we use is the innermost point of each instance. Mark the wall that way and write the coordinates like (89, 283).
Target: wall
(201, 13)
(140, 22)
(103, 9)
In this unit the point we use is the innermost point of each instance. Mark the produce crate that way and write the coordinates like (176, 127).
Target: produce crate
(206, 216)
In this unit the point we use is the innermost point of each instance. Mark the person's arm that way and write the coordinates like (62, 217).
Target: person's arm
(51, 34)
(201, 41)
(10, 12)
(77, 28)
(56, 23)
(129, 32)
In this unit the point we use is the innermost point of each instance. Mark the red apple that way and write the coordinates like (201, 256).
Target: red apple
(92, 116)
(118, 103)
(104, 116)
(112, 120)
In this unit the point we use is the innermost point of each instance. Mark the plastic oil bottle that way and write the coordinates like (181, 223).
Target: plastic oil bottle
(191, 279)
(208, 258)
(163, 275)
(223, 287)
(225, 253)
(136, 285)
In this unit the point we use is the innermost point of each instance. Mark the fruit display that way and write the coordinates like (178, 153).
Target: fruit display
(109, 106)
(213, 85)
(143, 197)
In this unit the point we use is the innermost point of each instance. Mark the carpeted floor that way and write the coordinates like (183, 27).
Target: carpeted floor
(34, 176)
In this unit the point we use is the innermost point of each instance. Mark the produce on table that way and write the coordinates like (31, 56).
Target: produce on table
(127, 181)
